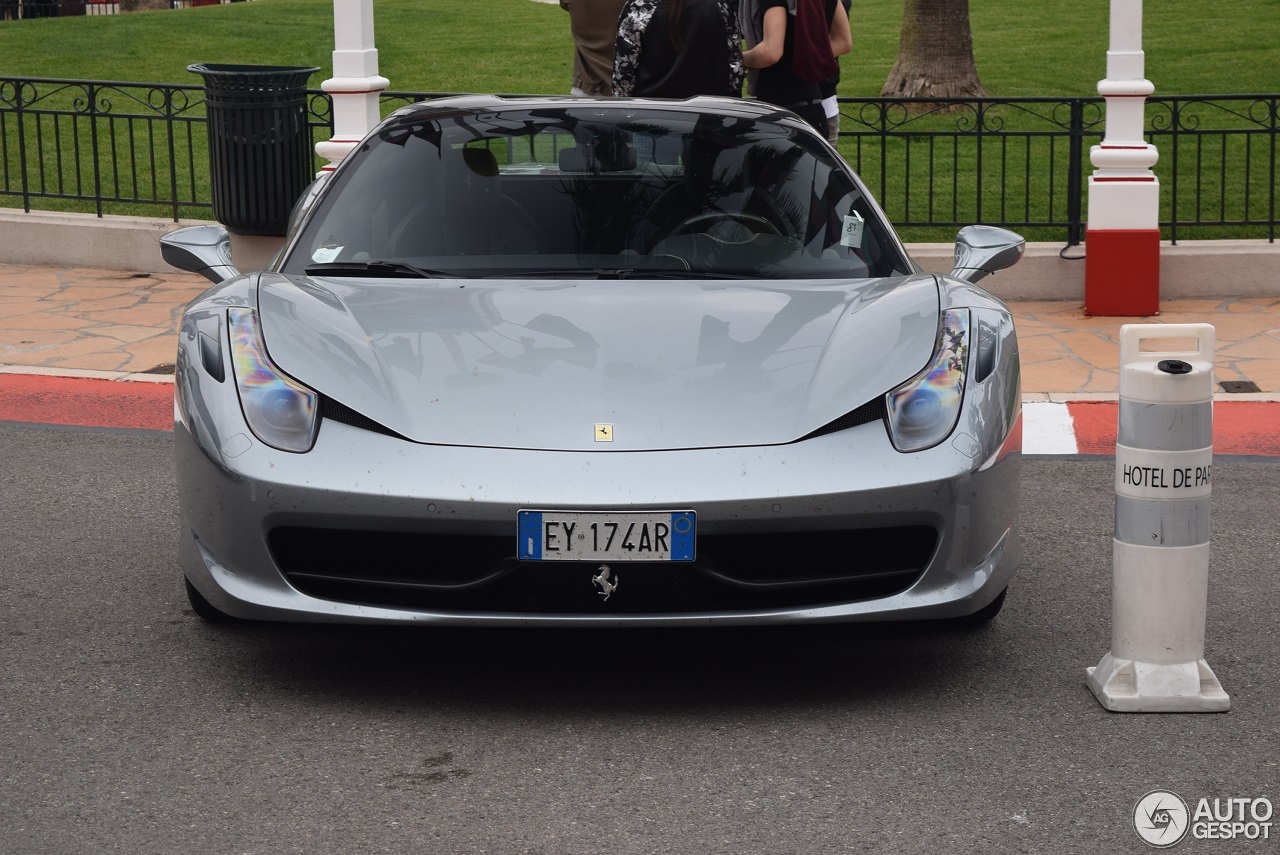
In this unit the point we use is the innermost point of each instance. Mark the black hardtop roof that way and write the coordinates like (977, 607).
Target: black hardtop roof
(470, 104)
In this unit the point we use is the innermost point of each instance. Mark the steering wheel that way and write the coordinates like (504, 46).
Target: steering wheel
(701, 222)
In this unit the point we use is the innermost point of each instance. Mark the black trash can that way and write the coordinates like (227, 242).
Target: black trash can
(260, 156)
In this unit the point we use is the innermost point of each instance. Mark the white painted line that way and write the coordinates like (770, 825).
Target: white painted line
(1047, 428)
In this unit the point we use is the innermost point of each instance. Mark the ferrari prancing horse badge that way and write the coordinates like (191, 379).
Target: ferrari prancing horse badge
(602, 581)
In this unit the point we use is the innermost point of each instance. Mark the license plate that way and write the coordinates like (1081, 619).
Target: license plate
(606, 535)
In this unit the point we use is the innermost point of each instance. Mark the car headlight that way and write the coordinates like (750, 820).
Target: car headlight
(280, 411)
(924, 410)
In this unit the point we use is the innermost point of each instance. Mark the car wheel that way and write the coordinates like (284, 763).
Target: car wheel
(203, 607)
(984, 615)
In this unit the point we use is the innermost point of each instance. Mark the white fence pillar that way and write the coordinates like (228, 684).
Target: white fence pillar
(355, 84)
(1122, 231)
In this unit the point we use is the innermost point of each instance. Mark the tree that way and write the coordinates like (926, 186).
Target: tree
(935, 53)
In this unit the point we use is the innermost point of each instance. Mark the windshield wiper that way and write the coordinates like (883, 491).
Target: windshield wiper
(405, 269)
(376, 268)
(616, 273)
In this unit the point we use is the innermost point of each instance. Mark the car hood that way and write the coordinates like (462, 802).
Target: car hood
(541, 364)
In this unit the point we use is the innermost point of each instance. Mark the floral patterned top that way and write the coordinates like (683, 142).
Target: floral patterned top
(709, 64)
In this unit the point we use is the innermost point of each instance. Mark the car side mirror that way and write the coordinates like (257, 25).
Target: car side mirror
(200, 249)
(982, 250)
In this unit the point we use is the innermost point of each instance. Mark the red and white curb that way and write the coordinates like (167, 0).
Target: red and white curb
(1089, 427)
(87, 399)
(115, 399)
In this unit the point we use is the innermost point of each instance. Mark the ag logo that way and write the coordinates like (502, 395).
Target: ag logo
(1161, 818)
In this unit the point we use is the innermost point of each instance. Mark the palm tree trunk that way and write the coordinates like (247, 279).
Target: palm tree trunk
(935, 53)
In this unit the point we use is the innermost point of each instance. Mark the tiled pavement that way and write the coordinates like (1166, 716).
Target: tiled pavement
(67, 320)
(1067, 354)
(80, 321)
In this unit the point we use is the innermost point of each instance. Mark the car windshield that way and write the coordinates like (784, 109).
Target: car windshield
(597, 190)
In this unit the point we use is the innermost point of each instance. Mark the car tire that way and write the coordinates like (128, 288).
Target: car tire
(203, 607)
(984, 615)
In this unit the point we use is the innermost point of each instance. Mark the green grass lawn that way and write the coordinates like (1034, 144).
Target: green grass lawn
(1045, 47)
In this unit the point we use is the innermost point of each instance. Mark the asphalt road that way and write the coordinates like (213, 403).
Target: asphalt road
(128, 725)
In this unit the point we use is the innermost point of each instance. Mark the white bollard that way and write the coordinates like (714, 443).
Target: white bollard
(1160, 573)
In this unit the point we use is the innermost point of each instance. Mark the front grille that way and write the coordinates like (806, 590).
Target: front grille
(480, 572)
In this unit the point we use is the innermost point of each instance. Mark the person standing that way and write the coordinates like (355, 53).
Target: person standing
(794, 46)
(678, 49)
(827, 88)
(594, 24)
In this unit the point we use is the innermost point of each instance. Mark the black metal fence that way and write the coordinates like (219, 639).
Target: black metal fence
(1023, 163)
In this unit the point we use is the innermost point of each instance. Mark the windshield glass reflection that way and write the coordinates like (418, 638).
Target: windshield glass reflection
(598, 192)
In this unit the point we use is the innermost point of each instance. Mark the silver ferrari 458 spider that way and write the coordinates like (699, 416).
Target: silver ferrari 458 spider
(596, 362)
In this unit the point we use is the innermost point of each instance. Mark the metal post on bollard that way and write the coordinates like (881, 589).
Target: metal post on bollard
(1160, 572)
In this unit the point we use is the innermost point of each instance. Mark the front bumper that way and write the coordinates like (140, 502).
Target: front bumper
(235, 491)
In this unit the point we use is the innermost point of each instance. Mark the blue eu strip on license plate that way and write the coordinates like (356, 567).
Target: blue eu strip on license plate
(606, 535)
